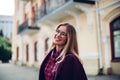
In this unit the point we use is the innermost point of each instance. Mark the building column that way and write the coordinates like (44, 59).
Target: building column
(107, 66)
(20, 57)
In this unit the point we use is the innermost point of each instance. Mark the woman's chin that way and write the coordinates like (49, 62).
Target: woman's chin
(55, 43)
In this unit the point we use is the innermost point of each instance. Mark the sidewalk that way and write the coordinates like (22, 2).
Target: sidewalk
(15, 72)
(104, 77)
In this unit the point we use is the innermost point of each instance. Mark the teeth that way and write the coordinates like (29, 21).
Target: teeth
(57, 39)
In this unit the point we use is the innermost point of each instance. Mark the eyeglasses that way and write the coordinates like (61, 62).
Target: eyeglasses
(61, 32)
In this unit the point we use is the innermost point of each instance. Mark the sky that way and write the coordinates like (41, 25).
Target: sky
(7, 7)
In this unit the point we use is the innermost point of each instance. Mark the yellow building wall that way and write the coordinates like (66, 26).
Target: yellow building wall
(87, 43)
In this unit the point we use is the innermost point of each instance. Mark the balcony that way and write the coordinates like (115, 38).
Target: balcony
(26, 29)
(26, 0)
(53, 10)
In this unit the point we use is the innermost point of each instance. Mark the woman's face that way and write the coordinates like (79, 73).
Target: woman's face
(60, 36)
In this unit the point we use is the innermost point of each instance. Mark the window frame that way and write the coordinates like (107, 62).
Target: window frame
(114, 59)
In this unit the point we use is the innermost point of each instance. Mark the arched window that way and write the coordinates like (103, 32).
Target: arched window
(115, 39)
(35, 51)
(46, 44)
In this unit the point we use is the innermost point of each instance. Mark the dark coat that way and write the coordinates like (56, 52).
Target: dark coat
(69, 69)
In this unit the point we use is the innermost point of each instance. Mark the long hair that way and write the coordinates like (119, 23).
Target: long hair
(71, 46)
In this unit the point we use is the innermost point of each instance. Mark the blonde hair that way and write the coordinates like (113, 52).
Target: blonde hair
(71, 46)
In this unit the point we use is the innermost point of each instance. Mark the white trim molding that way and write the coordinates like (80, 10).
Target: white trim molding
(88, 55)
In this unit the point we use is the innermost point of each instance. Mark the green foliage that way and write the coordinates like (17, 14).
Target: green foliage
(5, 50)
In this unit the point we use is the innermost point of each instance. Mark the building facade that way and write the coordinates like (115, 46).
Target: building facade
(97, 24)
(6, 25)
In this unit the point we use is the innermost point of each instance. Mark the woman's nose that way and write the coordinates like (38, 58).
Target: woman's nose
(59, 34)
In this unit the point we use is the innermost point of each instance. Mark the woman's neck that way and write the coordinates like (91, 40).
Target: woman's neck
(58, 48)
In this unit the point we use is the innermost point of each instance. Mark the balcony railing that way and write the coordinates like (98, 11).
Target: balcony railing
(48, 7)
(24, 28)
(26, 0)
(54, 6)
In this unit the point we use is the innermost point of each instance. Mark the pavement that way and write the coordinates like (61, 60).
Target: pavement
(16, 72)
(104, 77)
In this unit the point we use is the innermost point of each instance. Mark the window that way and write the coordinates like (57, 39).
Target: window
(46, 44)
(17, 53)
(35, 51)
(115, 39)
(27, 52)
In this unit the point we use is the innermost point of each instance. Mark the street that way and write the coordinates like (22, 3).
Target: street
(15, 72)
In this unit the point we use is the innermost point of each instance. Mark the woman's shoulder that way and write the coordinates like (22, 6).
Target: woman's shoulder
(75, 60)
(72, 57)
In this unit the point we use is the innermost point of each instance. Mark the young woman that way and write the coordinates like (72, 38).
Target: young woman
(62, 61)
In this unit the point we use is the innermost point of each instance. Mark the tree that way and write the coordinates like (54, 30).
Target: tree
(1, 33)
(5, 50)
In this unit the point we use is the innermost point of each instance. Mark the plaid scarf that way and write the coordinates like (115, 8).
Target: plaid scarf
(51, 66)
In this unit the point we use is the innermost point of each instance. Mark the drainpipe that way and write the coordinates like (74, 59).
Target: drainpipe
(99, 37)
